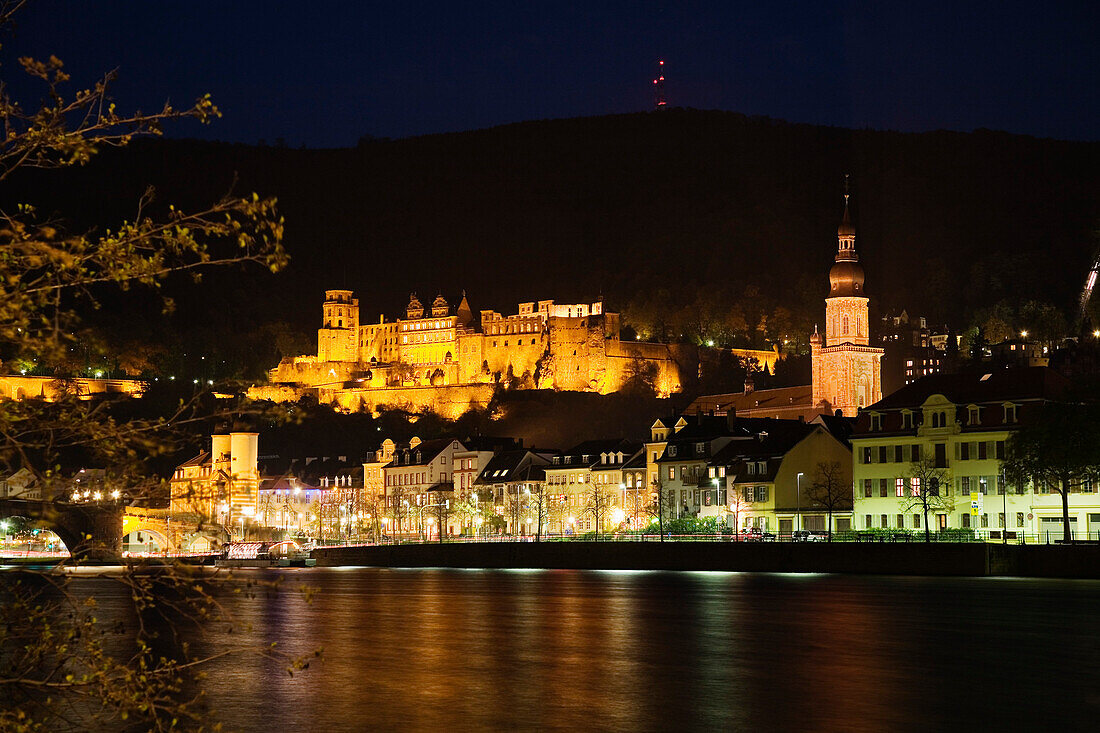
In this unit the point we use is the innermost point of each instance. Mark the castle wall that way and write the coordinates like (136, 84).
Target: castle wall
(450, 401)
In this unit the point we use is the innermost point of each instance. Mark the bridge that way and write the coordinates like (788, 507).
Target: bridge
(90, 531)
(95, 530)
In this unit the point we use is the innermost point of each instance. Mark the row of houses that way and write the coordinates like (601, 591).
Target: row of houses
(747, 473)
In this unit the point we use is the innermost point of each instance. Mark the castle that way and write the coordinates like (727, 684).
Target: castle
(449, 360)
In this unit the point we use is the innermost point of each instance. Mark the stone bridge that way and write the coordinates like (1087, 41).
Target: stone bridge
(90, 531)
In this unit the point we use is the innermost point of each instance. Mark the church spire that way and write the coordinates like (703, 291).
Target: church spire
(846, 233)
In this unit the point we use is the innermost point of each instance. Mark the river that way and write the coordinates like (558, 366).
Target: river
(435, 649)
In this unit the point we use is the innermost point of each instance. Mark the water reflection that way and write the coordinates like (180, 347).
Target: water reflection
(419, 649)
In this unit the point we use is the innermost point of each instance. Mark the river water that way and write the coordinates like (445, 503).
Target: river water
(436, 649)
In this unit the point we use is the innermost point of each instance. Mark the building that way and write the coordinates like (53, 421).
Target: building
(419, 484)
(449, 360)
(587, 485)
(220, 485)
(509, 490)
(911, 350)
(765, 477)
(846, 369)
(752, 472)
(959, 424)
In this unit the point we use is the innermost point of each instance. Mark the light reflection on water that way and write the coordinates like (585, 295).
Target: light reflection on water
(436, 648)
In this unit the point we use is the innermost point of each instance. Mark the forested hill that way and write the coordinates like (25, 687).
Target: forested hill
(698, 207)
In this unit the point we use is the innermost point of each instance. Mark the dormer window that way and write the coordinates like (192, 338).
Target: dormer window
(700, 448)
(973, 415)
(672, 451)
(876, 421)
(1010, 413)
(557, 459)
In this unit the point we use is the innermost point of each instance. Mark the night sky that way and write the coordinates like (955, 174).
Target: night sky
(323, 74)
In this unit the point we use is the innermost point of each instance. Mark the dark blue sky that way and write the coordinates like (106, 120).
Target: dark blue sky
(325, 73)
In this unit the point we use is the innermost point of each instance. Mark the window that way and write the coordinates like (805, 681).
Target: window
(1010, 413)
(964, 451)
(914, 486)
(985, 521)
(941, 455)
(867, 454)
(1001, 519)
(882, 454)
(1001, 485)
(983, 484)
(747, 494)
(907, 420)
(899, 487)
(916, 521)
(933, 486)
(883, 487)
(868, 487)
(966, 521)
(876, 422)
(706, 498)
(914, 453)
(671, 473)
(901, 521)
(1019, 519)
(761, 493)
(882, 520)
(964, 485)
(867, 521)
(898, 454)
(1000, 450)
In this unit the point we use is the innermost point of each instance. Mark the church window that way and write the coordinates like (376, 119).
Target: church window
(845, 325)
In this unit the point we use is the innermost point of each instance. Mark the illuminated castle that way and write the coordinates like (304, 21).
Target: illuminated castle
(450, 360)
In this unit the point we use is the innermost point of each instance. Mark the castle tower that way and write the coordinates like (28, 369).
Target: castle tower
(337, 339)
(847, 371)
(414, 309)
(440, 307)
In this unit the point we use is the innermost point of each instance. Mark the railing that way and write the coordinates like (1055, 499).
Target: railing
(802, 536)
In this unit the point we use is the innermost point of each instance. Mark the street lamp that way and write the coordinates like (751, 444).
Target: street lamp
(798, 500)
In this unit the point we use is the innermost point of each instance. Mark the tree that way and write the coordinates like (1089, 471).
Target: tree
(832, 491)
(658, 505)
(736, 505)
(597, 504)
(1059, 447)
(927, 491)
(640, 377)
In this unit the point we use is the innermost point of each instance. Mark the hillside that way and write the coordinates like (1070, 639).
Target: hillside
(711, 207)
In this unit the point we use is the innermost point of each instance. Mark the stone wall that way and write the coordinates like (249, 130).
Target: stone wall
(449, 401)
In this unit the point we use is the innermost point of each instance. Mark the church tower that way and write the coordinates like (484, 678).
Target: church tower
(847, 370)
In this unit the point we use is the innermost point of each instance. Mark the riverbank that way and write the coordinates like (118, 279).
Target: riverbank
(942, 559)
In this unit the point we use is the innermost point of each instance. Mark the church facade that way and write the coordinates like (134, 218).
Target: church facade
(847, 370)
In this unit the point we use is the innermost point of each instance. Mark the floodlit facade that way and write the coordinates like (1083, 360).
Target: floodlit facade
(450, 360)
(961, 423)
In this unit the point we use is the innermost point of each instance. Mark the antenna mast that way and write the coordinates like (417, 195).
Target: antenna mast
(659, 100)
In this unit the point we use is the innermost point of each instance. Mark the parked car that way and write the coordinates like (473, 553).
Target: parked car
(806, 535)
(755, 534)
